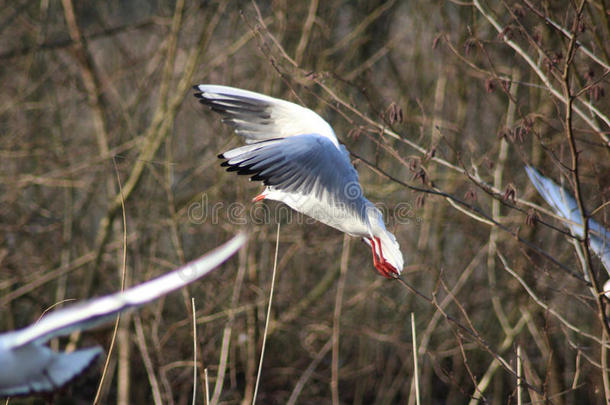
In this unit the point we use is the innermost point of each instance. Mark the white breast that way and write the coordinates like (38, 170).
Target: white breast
(322, 209)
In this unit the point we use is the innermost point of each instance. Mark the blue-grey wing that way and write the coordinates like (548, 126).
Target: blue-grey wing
(565, 205)
(557, 197)
(303, 164)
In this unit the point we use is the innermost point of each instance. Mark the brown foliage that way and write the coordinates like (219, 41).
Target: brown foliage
(417, 91)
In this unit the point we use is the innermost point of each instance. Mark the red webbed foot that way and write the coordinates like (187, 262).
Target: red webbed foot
(380, 263)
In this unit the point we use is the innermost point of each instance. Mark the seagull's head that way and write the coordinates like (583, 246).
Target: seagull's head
(387, 256)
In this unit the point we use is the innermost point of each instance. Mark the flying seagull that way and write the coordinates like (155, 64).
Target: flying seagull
(566, 207)
(27, 366)
(297, 156)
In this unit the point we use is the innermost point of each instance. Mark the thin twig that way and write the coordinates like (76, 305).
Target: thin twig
(228, 329)
(536, 68)
(207, 386)
(362, 26)
(415, 367)
(470, 332)
(300, 384)
(519, 377)
(567, 34)
(599, 298)
(495, 204)
(194, 352)
(473, 212)
(604, 364)
(123, 274)
(150, 370)
(546, 307)
(334, 381)
(460, 283)
(486, 379)
(90, 79)
(260, 364)
(305, 35)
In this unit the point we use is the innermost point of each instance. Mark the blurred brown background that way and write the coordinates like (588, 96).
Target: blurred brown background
(94, 92)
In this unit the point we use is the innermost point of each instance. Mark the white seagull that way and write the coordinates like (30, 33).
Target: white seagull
(27, 366)
(566, 207)
(297, 156)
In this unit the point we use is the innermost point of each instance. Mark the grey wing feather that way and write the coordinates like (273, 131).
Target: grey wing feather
(99, 310)
(258, 117)
(247, 116)
(558, 198)
(565, 205)
(301, 164)
(51, 372)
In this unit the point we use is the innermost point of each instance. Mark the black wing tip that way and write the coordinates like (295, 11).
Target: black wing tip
(243, 169)
(199, 92)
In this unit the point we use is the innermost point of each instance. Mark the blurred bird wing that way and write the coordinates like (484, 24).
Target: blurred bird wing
(99, 310)
(258, 117)
(558, 198)
(566, 207)
(35, 368)
(601, 245)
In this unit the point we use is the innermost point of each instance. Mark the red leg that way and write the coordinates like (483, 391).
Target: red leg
(380, 251)
(382, 264)
(388, 270)
(379, 262)
(375, 262)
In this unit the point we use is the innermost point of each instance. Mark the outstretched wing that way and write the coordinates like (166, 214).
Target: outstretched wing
(257, 117)
(304, 164)
(557, 197)
(99, 310)
(37, 369)
(565, 206)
